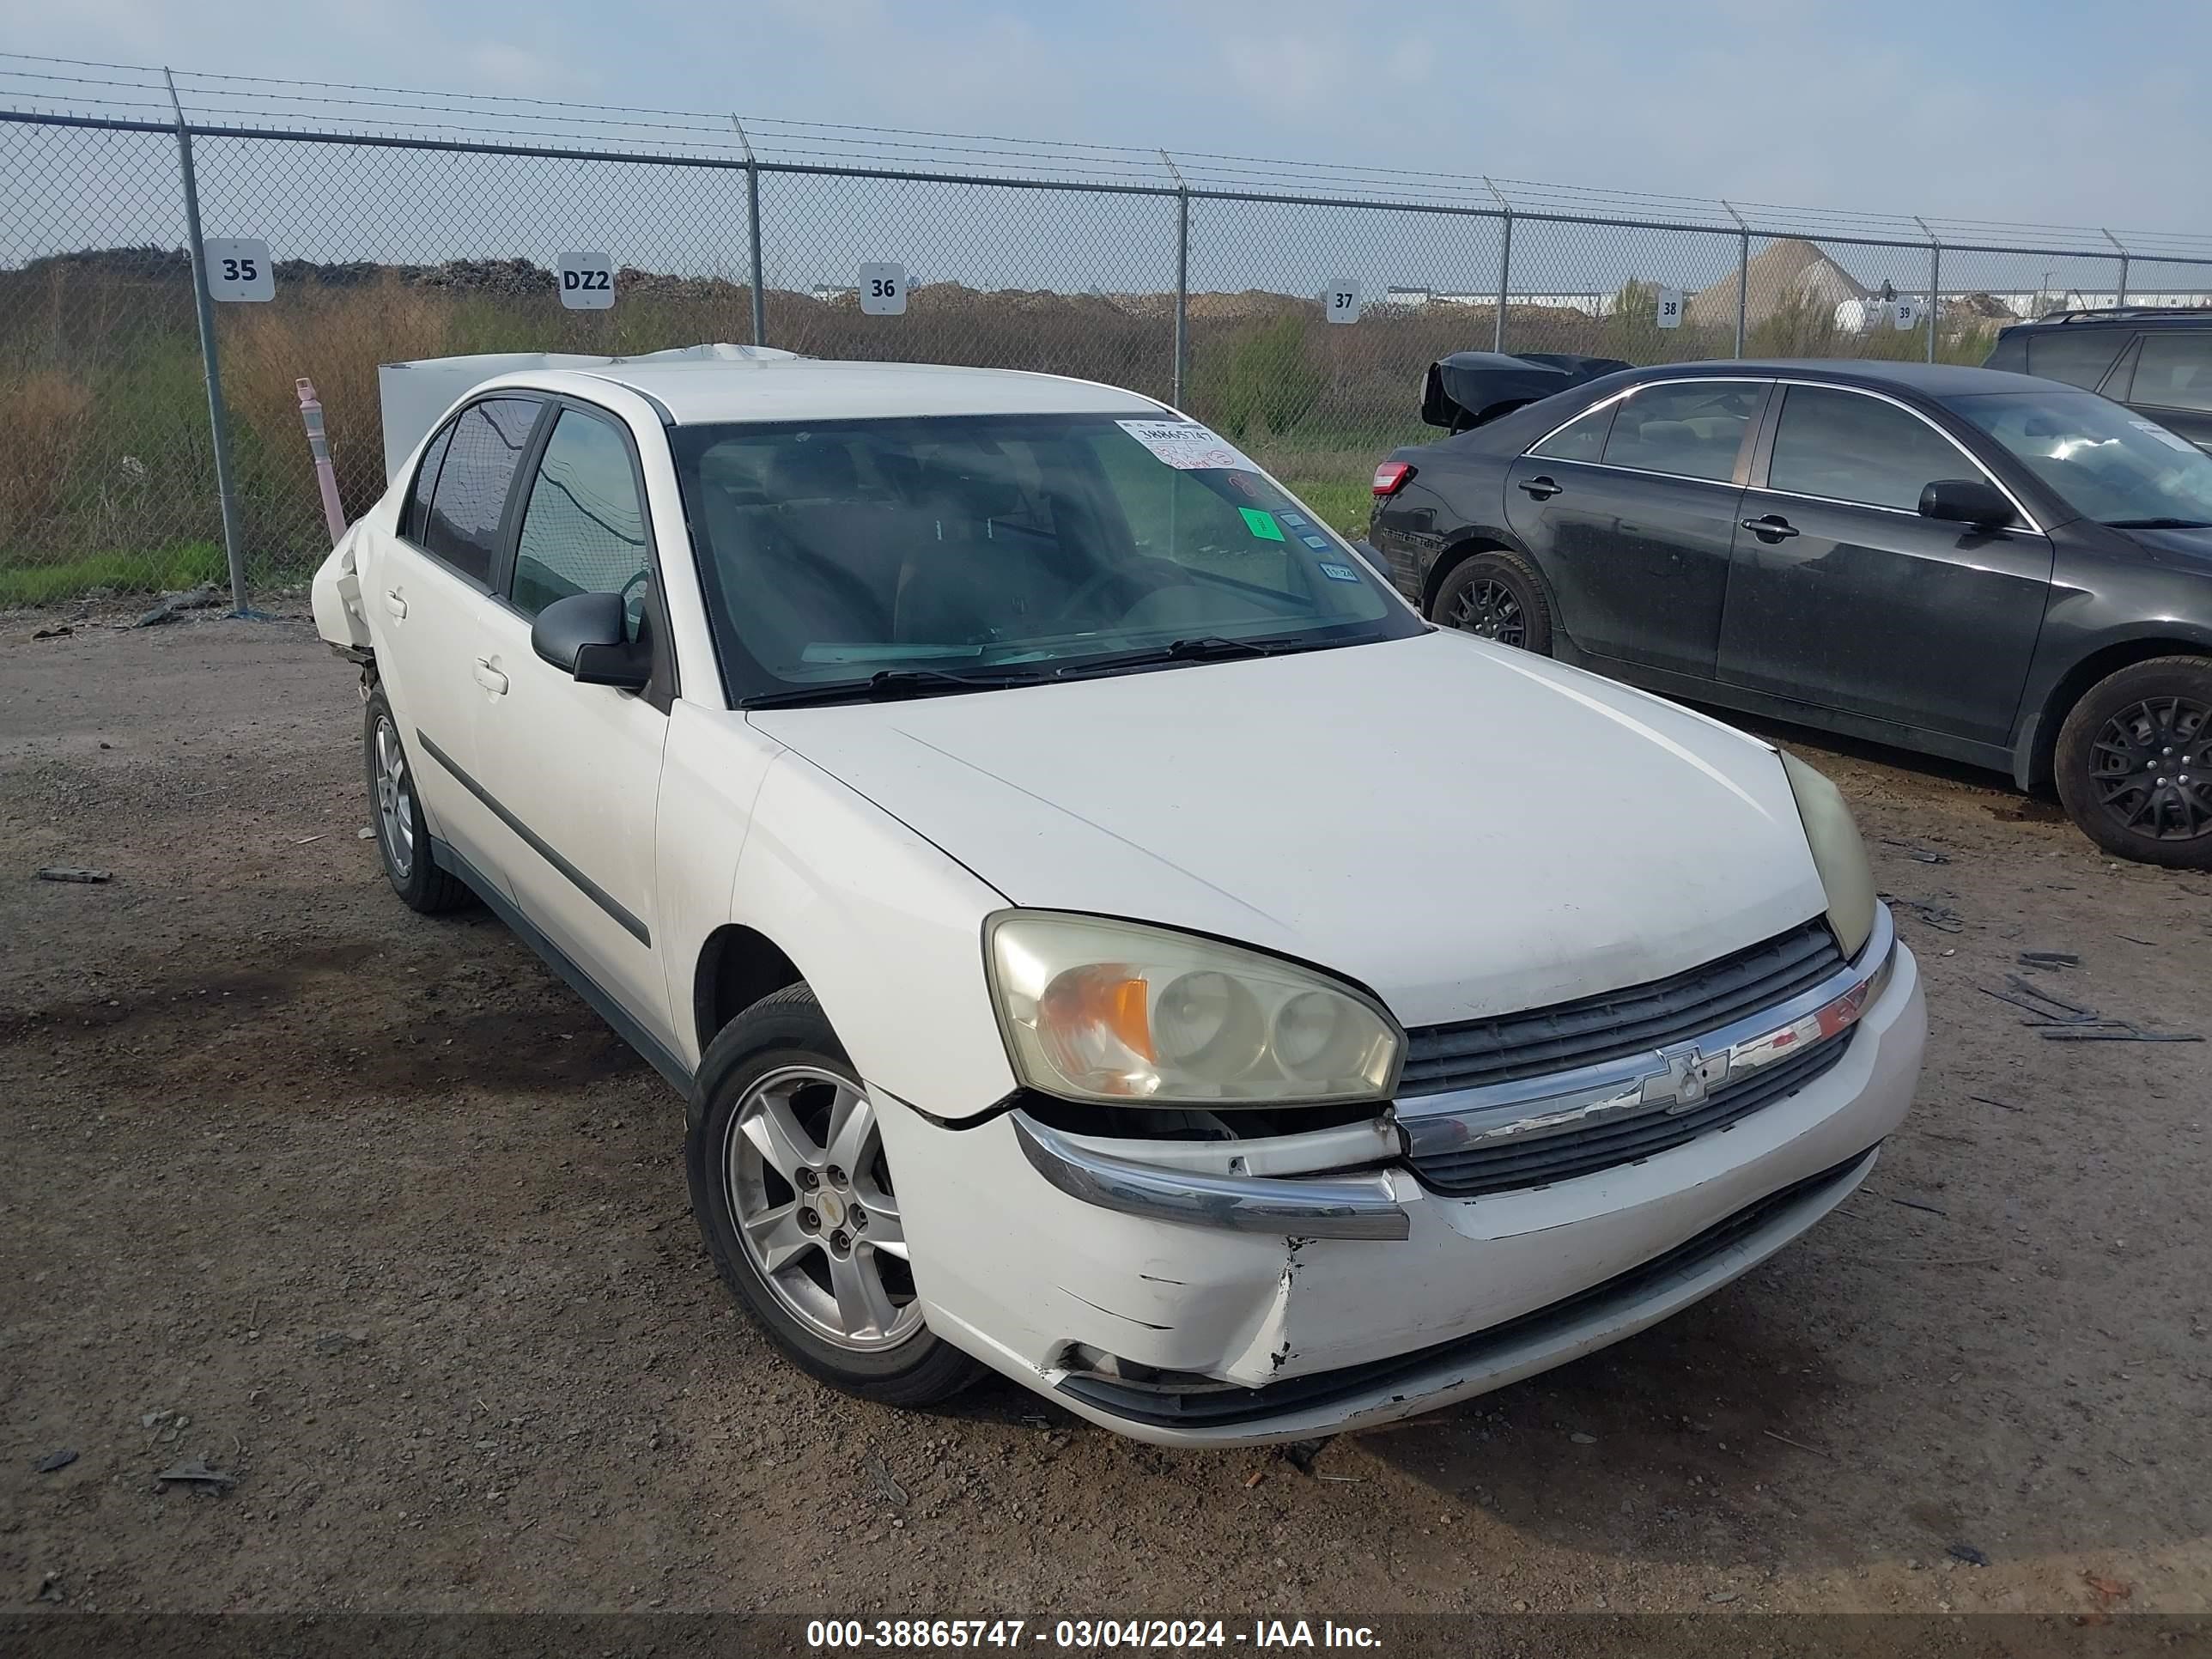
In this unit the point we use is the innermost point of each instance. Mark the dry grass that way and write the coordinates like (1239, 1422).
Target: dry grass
(335, 337)
(46, 415)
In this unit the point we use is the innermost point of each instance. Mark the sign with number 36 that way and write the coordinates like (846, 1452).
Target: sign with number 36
(883, 290)
(237, 268)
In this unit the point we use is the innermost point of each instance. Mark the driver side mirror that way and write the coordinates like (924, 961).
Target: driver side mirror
(587, 635)
(1966, 501)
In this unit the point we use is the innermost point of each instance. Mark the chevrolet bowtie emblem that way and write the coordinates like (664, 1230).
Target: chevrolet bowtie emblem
(1690, 1076)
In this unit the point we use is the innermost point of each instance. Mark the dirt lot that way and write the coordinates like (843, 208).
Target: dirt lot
(370, 1212)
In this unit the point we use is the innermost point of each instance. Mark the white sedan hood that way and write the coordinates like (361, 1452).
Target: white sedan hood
(1464, 829)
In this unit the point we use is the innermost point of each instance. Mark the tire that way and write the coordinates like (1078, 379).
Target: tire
(2134, 763)
(1497, 597)
(770, 1088)
(403, 839)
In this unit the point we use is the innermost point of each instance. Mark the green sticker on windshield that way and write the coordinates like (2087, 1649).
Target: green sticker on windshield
(1261, 525)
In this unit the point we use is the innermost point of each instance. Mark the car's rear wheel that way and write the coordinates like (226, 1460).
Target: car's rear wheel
(2134, 763)
(403, 838)
(1497, 597)
(794, 1199)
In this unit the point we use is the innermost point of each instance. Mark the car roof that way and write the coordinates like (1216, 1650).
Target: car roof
(2120, 317)
(1926, 380)
(810, 389)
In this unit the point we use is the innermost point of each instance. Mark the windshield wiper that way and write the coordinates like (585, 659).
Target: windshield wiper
(2157, 524)
(887, 685)
(1205, 647)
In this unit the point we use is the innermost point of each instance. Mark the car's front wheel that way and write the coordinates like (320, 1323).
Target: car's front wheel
(2134, 763)
(1497, 597)
(795, 1201)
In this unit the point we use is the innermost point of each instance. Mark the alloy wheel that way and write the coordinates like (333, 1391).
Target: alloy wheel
(810, 1194)
(395, 800)
(2152, 766)
(1490, 609)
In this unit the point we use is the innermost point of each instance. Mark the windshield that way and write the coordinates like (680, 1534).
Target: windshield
(2111, 464)
(949, 553)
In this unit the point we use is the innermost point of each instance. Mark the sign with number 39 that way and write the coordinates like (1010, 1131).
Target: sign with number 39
(237, 268)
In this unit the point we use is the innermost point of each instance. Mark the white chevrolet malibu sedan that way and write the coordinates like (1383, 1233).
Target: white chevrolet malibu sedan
(1102, 933)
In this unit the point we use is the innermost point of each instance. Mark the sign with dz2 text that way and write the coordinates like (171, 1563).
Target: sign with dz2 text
(587, 281)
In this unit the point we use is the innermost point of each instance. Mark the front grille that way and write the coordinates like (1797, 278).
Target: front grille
(1539, 1160)
(1616, 1024)
(1225, 1407)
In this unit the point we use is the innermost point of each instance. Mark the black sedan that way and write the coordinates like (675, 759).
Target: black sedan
(1990, 567)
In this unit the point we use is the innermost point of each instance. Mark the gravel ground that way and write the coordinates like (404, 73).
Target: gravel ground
(369, 1214)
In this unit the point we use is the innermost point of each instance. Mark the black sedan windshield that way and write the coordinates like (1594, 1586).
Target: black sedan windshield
(2111, 464)
(992, 551)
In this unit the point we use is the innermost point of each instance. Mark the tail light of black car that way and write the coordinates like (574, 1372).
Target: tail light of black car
(1391, 476)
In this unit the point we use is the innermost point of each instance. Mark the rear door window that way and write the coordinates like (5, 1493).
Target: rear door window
(415, 517)
(1582, 439)
(2078, 356)
(1846, 446)
(469, 503)
(2175, 370)
(1691, 429)
(583, 529)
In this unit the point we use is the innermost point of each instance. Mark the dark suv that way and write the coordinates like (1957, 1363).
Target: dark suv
(2153, 359)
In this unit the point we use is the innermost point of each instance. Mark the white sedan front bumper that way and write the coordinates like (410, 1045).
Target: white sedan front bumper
(1238, 1330)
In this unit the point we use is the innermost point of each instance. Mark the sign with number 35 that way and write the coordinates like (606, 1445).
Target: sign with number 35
(237, 268)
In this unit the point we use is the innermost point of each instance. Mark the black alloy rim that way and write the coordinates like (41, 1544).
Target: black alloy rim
(1491, 609)
(2151, 765)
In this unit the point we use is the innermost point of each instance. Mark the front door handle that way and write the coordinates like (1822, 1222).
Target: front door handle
(1541, 487)
(394, 604)
(490, 678)
(1771, 528)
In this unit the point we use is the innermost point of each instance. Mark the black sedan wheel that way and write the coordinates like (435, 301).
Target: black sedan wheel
(2135, 763)
(1496, 597)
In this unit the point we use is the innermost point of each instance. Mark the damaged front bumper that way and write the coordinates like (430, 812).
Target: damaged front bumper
(1235, 1292)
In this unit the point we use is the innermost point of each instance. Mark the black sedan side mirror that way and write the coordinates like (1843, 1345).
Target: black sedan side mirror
(587, 635)
(1966, 501)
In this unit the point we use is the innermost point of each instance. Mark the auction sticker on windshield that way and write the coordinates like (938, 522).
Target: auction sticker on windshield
(1262, 524)
(2171, 440)
(1187, 446)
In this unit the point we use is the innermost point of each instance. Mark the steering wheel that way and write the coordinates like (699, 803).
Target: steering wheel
(639, 581)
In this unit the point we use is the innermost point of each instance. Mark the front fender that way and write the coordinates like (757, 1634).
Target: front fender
(886, 930)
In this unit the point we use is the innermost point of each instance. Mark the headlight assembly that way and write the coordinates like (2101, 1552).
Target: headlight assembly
(1111, 1011)
(1838, 853)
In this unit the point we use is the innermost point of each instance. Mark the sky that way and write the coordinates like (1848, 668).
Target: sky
(2017, 110)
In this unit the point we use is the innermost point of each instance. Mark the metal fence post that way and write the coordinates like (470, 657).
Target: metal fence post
(752, 227)
(1504, 263)
(1743, 273)
(1935, 280)
(1182, 277)
(233, 542)
(2121, 298)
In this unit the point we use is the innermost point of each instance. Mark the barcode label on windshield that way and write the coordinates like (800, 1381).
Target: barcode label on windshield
(1187, 446)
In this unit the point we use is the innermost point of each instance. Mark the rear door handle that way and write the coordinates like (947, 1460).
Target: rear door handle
(394, 604)
(490, 678)
(1771, 528)
(1540, 487)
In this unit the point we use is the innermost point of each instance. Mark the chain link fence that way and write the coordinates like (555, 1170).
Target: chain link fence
(1293, 306)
